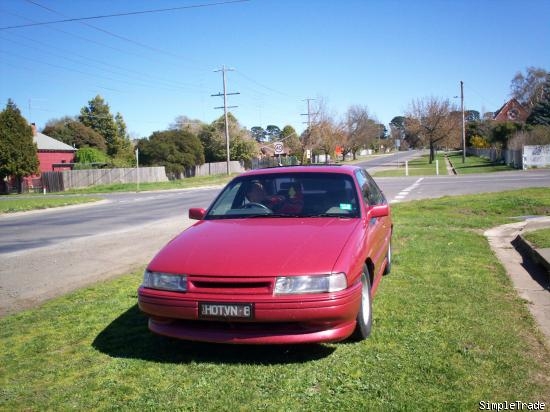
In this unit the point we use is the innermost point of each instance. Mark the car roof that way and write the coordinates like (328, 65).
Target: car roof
(330, 168)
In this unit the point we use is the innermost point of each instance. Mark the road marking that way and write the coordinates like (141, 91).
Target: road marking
(403, 194)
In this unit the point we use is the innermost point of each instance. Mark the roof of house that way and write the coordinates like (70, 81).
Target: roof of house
(512, 110)
(44, 142)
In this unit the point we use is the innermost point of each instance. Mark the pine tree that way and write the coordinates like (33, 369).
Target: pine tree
(18, 152)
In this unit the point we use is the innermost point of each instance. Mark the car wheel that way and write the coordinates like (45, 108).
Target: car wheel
(364, 316)
(387, 270)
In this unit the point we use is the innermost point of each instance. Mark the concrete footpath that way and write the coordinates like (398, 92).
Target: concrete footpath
(527, 266)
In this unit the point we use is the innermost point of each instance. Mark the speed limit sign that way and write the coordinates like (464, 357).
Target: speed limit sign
(279, 147)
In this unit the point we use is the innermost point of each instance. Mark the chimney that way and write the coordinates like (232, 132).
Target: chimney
(33, 127)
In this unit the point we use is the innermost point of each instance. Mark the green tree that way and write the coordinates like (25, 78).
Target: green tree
(74, 133)
(120, 126)
(97, 115)
(479, 128)
(258, 133)
(273, 133)
(176, 150)
(89, 155)
(292, 141)
(18, 152)
(502, 132)
(472, 116)
(212, 138)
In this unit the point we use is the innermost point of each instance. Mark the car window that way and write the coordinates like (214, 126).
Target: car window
(287, 195)
(369, 189)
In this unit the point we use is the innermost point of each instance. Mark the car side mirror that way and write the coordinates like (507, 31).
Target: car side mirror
(197, 213)
(379, 211)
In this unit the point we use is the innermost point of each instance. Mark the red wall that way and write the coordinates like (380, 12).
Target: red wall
(47, 159)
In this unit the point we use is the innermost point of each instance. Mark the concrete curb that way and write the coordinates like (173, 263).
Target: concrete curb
(530, 280)
(539, 256)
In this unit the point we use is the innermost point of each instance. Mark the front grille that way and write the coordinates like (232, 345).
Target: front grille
(230, 286)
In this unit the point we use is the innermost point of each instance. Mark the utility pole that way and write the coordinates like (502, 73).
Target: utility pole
(225, 107)
(463, 125)
(308, 114)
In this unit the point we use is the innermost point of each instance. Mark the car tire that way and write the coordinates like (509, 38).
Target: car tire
(364, 316)
(387, 269)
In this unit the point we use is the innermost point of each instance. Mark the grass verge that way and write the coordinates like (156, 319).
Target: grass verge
(539, 238)
(420, 166)
(24, 204)
(474, 164)
(449, 332)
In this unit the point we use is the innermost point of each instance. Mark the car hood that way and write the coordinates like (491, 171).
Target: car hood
(256, 247)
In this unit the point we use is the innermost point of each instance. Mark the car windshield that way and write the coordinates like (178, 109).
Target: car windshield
(287, 195)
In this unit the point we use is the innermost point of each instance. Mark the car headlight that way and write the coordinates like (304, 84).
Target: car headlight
(164, 281)
(287, 285)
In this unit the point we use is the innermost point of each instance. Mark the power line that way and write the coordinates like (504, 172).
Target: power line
(150, 79)
(132, 13)
(109, 33)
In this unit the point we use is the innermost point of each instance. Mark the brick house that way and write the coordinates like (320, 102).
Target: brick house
(511, 111)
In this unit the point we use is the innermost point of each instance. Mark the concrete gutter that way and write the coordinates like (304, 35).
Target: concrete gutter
(529, 275)
(539, 256)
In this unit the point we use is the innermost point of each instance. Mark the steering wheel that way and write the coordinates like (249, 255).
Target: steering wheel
(250, 205)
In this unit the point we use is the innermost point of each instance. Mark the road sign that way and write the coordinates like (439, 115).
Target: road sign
(279, 148)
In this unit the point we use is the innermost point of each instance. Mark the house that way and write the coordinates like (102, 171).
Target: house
(511, 111)
(52, 154)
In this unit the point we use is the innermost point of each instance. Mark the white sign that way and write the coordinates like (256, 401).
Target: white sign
(279, 148)
(536, 156)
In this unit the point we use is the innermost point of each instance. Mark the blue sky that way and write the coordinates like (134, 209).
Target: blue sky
(154, 67)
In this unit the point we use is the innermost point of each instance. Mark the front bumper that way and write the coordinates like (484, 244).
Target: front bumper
(277, 320)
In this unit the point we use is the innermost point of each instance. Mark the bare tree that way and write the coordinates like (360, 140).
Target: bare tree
(431, 119)
(361, 130)
(323, 134)
(528, 89)
(186, 123)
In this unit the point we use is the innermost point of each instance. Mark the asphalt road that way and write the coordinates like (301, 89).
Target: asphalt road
(46, 253)
(125, 211)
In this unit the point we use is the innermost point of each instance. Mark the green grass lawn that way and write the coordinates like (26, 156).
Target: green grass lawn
(449, 331)
(22, 203)
(539, 238)
(16, 203)
(422, 167)
(474, 164)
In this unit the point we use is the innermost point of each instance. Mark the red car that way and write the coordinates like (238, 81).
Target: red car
(283, 255)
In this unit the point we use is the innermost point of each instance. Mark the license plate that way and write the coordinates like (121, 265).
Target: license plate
(213, 310)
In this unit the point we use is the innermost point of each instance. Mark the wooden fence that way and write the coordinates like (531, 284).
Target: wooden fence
(75, 179)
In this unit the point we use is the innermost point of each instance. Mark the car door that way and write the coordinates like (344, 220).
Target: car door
(378, 228)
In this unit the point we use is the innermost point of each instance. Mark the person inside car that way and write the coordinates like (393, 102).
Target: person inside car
(294, 202)
(291, 204)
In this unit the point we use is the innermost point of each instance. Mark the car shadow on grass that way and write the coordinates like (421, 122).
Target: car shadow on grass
(128, 337)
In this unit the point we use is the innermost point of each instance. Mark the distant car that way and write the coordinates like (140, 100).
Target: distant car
(283, 255)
